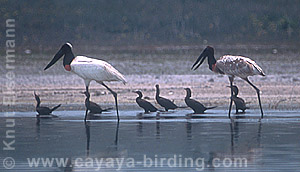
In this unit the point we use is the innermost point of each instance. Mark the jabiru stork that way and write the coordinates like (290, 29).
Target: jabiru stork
(232, 66)
(42, 110)
(197, 107)
(88, 69)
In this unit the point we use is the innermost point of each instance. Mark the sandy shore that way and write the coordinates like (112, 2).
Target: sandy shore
(277, 92)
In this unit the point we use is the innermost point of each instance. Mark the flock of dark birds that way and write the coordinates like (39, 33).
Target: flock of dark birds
(92, 69)
(93, 108)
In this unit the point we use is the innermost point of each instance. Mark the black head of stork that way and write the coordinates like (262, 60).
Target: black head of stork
(207, 52)
(65, 50)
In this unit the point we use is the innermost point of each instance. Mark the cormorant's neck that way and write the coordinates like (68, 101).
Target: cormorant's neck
(38, 104)
(234, 94)
(188, 95)
(140, 96)
(157, 92)
(87, 101)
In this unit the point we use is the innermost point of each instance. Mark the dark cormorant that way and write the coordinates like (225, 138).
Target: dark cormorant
(166, 103)
(197, 107)
(42, 110)
(147, 106)
(93, 107)
(239, 102)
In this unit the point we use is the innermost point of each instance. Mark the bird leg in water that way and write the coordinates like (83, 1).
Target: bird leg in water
(117, 134)
(258, 96)
(88, 135)
(231, 90)
(86, 113)
(115, 96)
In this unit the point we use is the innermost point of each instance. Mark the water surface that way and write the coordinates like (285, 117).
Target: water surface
(173, 141)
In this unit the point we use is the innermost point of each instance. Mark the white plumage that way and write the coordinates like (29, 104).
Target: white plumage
(93, 69)
(232, 66)
(88, 69)
(238, 66)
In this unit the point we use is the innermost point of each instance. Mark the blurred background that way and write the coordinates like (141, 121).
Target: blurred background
(43, 23)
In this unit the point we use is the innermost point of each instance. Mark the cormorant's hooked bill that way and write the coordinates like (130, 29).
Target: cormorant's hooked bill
(63, 50)
(206, 53)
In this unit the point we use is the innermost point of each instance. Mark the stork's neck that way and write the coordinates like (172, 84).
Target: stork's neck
(212, 67)
(212, 62)
(69, 56)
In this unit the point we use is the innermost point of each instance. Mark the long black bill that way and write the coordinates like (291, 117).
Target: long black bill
(57, 56)
(197, 64)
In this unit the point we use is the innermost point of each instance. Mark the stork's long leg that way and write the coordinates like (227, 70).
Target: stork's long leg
(88, 135)
(231, 81)
(87, 89)
(117, 134)
(258, 96)
(115, 96)
(86, 113)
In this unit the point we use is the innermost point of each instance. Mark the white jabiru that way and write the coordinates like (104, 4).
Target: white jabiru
(231, 66)
(88, 69)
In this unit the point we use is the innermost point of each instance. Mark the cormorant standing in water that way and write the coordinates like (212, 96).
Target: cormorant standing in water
(93, 107)
(42, 110)
(239, 102)
(166, 103)
(147, 106)
(197, 107)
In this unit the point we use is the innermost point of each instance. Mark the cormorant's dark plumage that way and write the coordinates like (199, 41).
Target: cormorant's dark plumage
(166, 103)
(42, 110)
(197, 107)
(93, 107)
(147, 106)
(239, 102)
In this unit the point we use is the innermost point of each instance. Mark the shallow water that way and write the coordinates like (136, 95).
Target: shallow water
(173, 141)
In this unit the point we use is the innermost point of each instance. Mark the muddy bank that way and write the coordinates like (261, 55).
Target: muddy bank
(277, 91)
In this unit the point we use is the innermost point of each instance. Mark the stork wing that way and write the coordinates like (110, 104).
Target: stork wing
(94, 69)
(239, 66)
